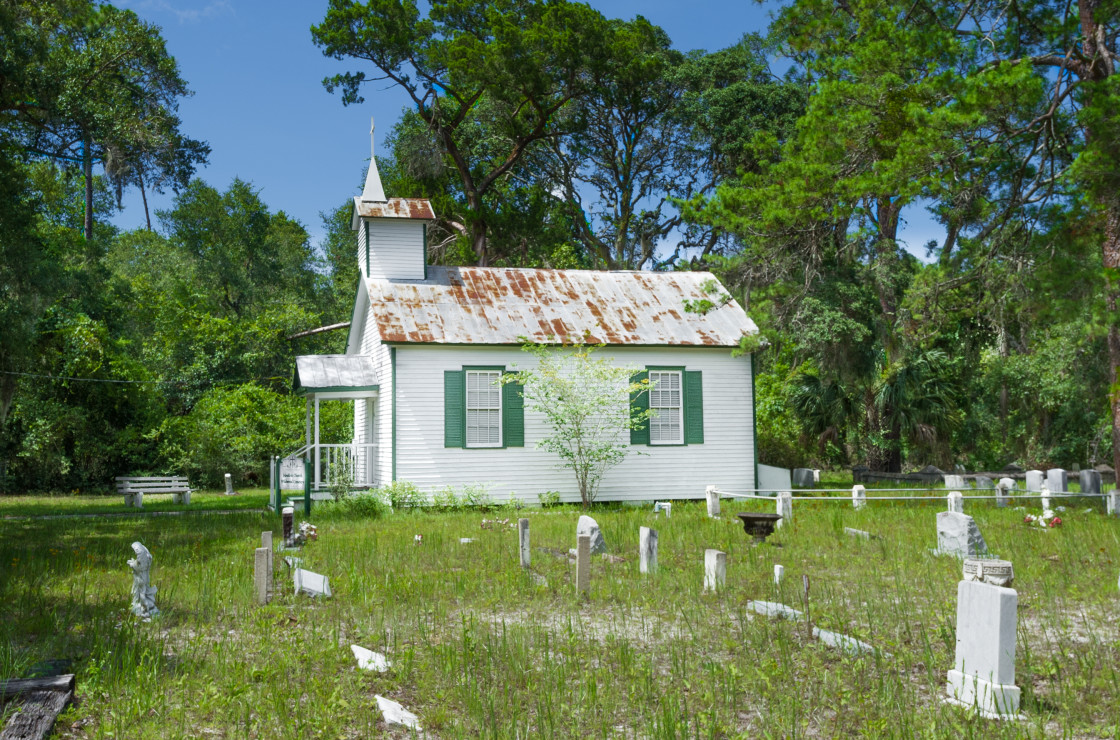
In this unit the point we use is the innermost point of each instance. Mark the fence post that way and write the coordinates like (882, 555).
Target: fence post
(307, 488)
(859, 496)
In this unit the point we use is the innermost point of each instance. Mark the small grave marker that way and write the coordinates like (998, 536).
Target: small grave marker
(1057, 480)
(369, 660)
(1003, 489)
(779, 571)
(715, 570)
(523, 541)
(785, 509)
(712, 495)
(859, 496)
(1034, 479)
(588, 526)
(229, 485)
(583, 564)
(955, 482)
(647, 550)
(956, 501)
(394, 714)
(260, 575)
(1113, 502)
(1090, 481)
(312, 584)
(288, 516)
(803, 478)
(958, 535)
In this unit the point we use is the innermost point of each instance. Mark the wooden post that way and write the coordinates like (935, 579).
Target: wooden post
(318, 452)
(583, 564)
(266, 542)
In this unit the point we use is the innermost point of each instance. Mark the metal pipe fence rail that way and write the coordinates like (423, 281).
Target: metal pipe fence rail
(848, 498)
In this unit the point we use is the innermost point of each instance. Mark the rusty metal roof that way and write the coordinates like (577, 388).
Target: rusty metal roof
(395, 208)
(493, 305)
(334, 373)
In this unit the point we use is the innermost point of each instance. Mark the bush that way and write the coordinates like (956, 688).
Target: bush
(549, 499)
(403, 495)
(361, 504)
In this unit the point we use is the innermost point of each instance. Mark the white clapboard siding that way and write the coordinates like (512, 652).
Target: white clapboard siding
(725, 459)
(396, 248)
(382, 406)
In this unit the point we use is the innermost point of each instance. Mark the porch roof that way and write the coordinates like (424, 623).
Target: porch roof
(340, 376)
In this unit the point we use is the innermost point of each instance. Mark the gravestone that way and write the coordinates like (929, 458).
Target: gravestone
(774, 609)
(956, 501)
(1003, 490)
(394, 714)
(1045, 497)
(956, 482)
(715, 570)
(1113, 502)
(260, 575)
(288, 516)
(1034, 480)
(647, 550)
(1090, 481)
(859, 533)
(785, 509)
(984, 483)
(859, 496)
(816, 475)
(583, 564)
(143, 592)
(803, 478)
(588, 526)
(369, 660)
(229, 485)
(312, 584)
(266, 542)
(712, 495)
(1057, 480)
(958, 535)
(983, 674)
(523, 541)
(858, 472)
(993, 572)
(779, 571)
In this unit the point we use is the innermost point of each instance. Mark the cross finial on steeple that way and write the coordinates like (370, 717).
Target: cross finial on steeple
(373, 192)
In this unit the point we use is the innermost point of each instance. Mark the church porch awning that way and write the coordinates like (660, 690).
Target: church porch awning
(335, 377)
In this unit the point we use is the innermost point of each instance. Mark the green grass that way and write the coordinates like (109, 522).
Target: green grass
(63, 504)
(481, 650)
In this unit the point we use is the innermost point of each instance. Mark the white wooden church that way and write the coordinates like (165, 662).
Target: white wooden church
(427, 344)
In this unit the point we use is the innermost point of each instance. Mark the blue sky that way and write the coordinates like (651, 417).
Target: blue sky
(260, 103)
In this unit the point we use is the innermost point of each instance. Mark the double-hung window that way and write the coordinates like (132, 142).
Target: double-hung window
(484, 408)
(665, 424)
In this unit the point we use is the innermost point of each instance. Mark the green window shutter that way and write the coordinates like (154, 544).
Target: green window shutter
(454, 408)
(639, 436)
(513, 415)
(693, 408)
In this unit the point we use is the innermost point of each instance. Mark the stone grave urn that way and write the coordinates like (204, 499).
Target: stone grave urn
(757, 525)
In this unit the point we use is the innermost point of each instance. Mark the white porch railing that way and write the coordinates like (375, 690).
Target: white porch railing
(332, 464)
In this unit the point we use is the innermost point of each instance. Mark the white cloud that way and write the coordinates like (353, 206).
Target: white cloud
(181, 11)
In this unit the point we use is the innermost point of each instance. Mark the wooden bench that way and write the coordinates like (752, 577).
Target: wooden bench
(135, 488)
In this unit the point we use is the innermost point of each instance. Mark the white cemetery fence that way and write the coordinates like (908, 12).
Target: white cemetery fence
(858, 496)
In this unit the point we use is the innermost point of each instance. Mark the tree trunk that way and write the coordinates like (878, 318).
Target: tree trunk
(1111, 259)
(144, 196)
(87, 170)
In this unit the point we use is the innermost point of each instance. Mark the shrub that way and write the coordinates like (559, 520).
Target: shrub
(549, 499)
(403, 495)
(361, 504)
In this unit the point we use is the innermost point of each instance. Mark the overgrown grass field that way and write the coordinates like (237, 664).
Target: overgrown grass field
(481, 648)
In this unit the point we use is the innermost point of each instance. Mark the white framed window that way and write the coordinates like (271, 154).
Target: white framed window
(484, 408)
(665, 425)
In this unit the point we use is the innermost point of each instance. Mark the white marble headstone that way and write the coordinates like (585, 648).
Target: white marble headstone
(983, 674)
(312, 584)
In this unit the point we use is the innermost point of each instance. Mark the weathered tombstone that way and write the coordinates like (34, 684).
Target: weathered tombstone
(858, 472)
(803, 478)
(229, 485)
(1034, 479)
(266, 542)
(1057, 480)
(647, 550)
(588, 526)
(957, 534)
(858, 533)
(955, 482)
(712, 495)
(983, 674)
(288, 516)
(859, 496)
(779, 571)
(312, 584)
(394, 714)
(143, 592)
(992, 571)
(785, 508)
(715, 570)
(523, 541)
(1113, 506)
(368, 660)
(1006, 485)
(956, 501)
(984, 483)
(1045, 497)
(583, 563)
(816, 475)
(260, 575)
(1090, 481)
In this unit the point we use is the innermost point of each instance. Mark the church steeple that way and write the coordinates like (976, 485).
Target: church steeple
(373, 192)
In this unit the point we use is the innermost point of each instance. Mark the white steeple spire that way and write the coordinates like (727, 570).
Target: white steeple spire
(373, 192)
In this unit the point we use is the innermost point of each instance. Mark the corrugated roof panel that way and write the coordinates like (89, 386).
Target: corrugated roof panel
(395, 208)
(491, 305)
(334, 371)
